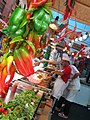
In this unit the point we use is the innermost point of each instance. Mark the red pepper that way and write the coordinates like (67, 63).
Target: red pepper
(23, 61)
(28, 16)
(9, 63)
(2, 110)
(30, 36)
(6, 78)
(66, 13)
(30, 4)
(27, 59)
(30, 50)
(37, 42)
(6, 74)
(39, 3)
(6, 112)
(53, 2)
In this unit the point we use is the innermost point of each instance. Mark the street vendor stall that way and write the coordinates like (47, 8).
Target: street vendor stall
(25, 96)
(24, 39)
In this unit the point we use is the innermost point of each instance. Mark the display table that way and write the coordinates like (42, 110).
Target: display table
(25, 98)
(41, 90)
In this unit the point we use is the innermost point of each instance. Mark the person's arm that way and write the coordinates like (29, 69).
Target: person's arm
(49, 61)
(36, 63)
(58, 72)
(75, 76)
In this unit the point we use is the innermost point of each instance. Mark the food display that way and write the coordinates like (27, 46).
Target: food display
(22, 107)
(24, 37)
(37, 77)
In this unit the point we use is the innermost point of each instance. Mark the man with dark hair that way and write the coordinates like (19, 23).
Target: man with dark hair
(69, 93)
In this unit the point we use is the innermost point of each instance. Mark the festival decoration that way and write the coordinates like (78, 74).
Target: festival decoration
(24, 38)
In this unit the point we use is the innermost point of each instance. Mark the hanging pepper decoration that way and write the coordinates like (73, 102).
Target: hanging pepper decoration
(17, 22)
(36, 3)
(41, 20)
(43, 42)
(30, 4)
(53, 2)
(6, 74)
(23, 61)
(69, 7)
(20, 45)
(37, 39)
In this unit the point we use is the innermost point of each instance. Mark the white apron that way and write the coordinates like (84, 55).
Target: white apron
(72, 89)
(59, 87)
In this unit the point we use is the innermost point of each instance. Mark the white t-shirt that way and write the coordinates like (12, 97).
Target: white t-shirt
(74, 84)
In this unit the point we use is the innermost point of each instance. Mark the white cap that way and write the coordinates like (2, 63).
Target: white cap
(65, 57)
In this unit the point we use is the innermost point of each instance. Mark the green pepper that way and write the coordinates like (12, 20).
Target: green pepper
(41, 20)
(17, 23)
(12, 28)
(20, 31)
(17, 16)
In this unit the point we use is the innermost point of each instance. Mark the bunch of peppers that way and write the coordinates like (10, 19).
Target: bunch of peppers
(17, 22)
(68, 11)
(7, 71)
(35, 39)
(23, 40)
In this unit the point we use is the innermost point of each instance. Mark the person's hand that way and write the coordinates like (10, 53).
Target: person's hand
(52, 72)
(44, 60)
(36, 63)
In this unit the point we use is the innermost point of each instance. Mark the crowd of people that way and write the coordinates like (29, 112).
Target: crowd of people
(66, 83)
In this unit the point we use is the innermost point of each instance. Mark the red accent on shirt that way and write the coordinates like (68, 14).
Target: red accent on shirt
(66, 73)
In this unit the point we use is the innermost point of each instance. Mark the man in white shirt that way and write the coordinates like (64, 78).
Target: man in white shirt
(70, 92)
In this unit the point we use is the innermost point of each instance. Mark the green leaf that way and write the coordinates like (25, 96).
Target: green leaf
(6, 54)
(31, 45)
(47, 10)
(26, 31)
(0, 51)
(5, 30)
(31, 10)
(24, 22)
(48, 3)
(17, 39)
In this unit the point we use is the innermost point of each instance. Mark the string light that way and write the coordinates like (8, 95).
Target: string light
(72, 53)
(79, 55)
(65, 49)
(85, 36)
(69, 44)
(87, 56)
(72, 41)
(80, 38)
(68, 52)
(89, 34)
(76, 39)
